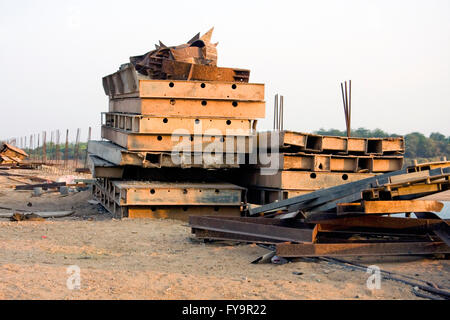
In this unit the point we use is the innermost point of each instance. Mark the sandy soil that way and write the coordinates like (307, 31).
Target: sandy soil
(158, 259)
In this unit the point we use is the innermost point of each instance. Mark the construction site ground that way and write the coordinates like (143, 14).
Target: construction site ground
(158, 259)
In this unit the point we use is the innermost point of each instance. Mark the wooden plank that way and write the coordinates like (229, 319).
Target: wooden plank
(360, 249)
(169, 143)
(189, 107)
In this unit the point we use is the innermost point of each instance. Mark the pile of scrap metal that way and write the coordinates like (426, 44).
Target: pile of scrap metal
(11, 155)
(309, 162)
(174, 97)
(352, 219)
(194, 60)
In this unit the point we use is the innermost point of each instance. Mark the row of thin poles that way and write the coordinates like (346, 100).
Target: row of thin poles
(36, 146)
(278, 113)
(347, 101)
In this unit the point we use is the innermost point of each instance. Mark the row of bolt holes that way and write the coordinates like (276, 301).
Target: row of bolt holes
(313, 176)
(204, 102)
(184, 208)
(203, 85)
(191, 138)
(152, 191)
(197, 121)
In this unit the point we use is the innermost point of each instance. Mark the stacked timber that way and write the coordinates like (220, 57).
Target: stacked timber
(308, 162)
(170, 139)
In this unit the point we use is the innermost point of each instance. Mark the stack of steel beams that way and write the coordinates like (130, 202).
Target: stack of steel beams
(308, 162)
(171, 143)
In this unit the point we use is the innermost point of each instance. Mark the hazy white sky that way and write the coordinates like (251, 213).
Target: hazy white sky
(53, 55)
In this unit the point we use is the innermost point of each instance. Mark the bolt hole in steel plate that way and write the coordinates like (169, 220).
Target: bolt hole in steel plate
(345, 177)
(313, 175)
(197, 121)
(165, 120)
(171, 84)
(233, 86)
(228, 122)
(204, 103)
(172, 101)
(235, 104)
(159, 138)
(203, 85)
(185, 191)
(152, 191)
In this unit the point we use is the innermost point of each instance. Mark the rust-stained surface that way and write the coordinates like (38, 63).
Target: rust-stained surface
(186, 143)
(360, 249)
(10, 154)
(301, 179)
(170, 125)
(164, 193)
(390, 206)
(190, 107)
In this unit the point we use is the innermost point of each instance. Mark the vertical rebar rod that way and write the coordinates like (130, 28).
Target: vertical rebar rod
(66, 150)
(86, 155)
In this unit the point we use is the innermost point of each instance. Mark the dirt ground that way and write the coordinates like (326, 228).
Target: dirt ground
(158, 259)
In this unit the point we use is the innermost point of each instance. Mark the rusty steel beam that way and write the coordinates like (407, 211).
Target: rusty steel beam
(326, 199)
(319, 143)
(178, 107)
(250, 228)
(165, 142)
(387, 207)
(132, 193)
(360, 249)
(170, 125)
(216, 90)
(339, 163)
(300, 179)
(377, 222)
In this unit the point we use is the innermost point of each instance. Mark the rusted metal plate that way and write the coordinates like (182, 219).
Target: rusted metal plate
(203, 90)
(300, 179)
(263, 196)
(180, 212)
(338, 163)
(119, 156)
(186, 71)
(254, 229)
(103, 169)
(318, 143)
(187, 144)
(386, 207)
(10, 154)
(188, 107)
(170, 125)
(360, 249)
(133, 193)
(378, 222)
(326, 199)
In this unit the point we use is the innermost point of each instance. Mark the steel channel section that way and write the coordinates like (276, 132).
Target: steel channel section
(167, 125)
(187, 107)
(263, 231)
(348, 192)
(360, 249)
(169, 143)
